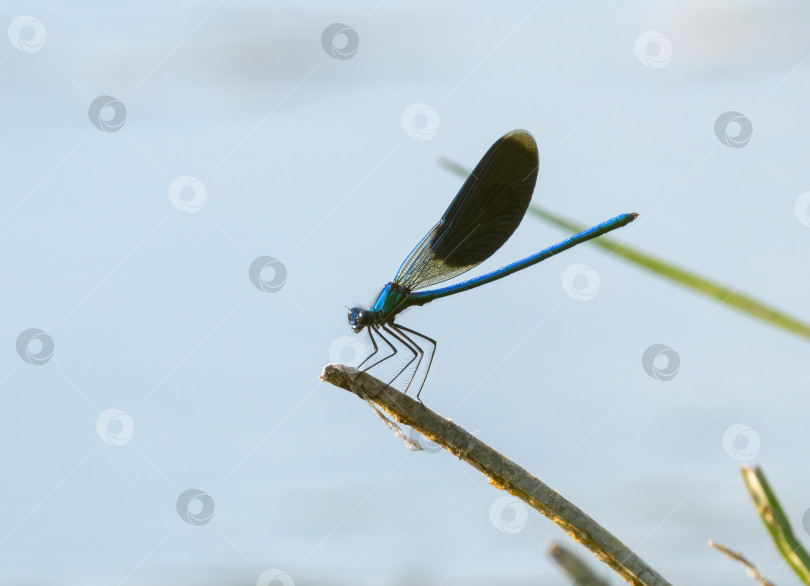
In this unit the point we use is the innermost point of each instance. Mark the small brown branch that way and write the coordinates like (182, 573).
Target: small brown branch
(751, 568)
(502, 472)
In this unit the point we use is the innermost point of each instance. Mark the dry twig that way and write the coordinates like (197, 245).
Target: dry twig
(735, 555)
(502, 472)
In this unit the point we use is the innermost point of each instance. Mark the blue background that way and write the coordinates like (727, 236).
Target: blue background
(305, 158)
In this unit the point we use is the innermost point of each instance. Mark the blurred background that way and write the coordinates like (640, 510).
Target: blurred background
(193, 192)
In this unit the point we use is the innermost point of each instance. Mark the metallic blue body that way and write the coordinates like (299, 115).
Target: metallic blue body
(422, 297)
(485, 212)
(395, 298)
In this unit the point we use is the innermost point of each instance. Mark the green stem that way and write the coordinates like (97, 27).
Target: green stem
(726, 296)
(771, 513)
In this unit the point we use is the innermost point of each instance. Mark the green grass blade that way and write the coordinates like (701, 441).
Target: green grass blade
(725, 295)
(771, 513)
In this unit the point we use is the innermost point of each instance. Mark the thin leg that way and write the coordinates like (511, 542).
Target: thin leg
(432, 353)
(376, 349)
(407, 343)
(421, 353)
(373, 343)
(384, 358)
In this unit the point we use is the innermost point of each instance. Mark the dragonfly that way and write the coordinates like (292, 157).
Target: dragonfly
(484, 214)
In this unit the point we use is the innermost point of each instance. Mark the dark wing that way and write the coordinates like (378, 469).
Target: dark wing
(484, 214)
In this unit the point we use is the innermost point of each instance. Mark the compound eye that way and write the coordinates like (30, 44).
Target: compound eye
(357, 317)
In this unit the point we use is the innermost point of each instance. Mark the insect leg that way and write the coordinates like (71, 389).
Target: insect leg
(431, 341)
(407, 343)
(384, 358)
